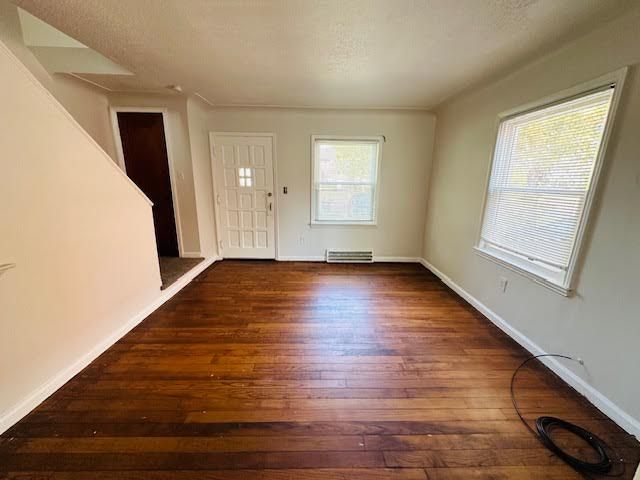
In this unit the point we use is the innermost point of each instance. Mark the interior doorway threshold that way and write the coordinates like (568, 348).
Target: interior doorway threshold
(172, 268)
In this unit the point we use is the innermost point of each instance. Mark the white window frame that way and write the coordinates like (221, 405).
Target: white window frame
(530, 269)
(314, 138)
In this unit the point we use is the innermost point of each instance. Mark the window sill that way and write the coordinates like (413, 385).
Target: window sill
(343, 224)
(540, 280)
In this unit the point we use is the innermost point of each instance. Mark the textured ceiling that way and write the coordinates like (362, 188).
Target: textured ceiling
(325, 53)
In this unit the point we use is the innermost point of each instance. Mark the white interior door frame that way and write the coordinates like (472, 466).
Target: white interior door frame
(214, 176)
(113, 111)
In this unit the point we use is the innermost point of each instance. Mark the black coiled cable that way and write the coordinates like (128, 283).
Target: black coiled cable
(545, 426)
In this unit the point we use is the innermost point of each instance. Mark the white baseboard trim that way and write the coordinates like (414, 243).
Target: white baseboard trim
(312, 258)
(397, 259)
(615, 413)
(40, 394)
(308, 258)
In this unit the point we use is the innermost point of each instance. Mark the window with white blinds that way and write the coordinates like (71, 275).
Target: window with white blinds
(541, 176)
(345, 180)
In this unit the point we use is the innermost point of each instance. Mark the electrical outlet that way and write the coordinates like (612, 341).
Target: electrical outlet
(301, 240)
(503, 284)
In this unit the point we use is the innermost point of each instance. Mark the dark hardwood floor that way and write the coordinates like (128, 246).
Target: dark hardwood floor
(276, 371)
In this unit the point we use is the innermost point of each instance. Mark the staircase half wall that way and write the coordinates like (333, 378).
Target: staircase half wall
(81, 237)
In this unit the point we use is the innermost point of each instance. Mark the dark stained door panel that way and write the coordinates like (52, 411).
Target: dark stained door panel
(145, 154)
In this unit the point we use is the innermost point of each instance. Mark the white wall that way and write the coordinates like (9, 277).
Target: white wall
(80, 234)
(404, 172)
(179, 145)
(86, 103)
(601, 323)
(197, 113)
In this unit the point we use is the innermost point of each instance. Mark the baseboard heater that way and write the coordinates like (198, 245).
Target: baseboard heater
(349, 256)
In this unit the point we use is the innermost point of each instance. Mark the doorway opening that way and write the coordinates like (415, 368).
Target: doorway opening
(141, 141)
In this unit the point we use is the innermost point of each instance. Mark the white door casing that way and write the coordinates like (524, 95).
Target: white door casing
(242, 166)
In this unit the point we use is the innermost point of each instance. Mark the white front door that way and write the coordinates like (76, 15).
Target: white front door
(243, 172)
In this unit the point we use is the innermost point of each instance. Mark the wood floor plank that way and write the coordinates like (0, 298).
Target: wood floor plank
(330, 415)
(192, 444)
(305, 371)
(559, 472)
(274, 474)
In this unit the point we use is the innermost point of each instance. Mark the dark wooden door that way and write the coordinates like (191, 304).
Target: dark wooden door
(145, 156)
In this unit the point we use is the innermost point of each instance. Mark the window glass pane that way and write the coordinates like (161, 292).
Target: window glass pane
(344, 203)
(345, 178)
(541, 175)
(346, 161)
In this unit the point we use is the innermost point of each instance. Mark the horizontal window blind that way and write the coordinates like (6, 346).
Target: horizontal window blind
(344, 180)
(542, 170)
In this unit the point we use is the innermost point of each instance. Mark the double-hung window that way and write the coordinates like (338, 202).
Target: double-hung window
(345, 178)
(544, 171)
